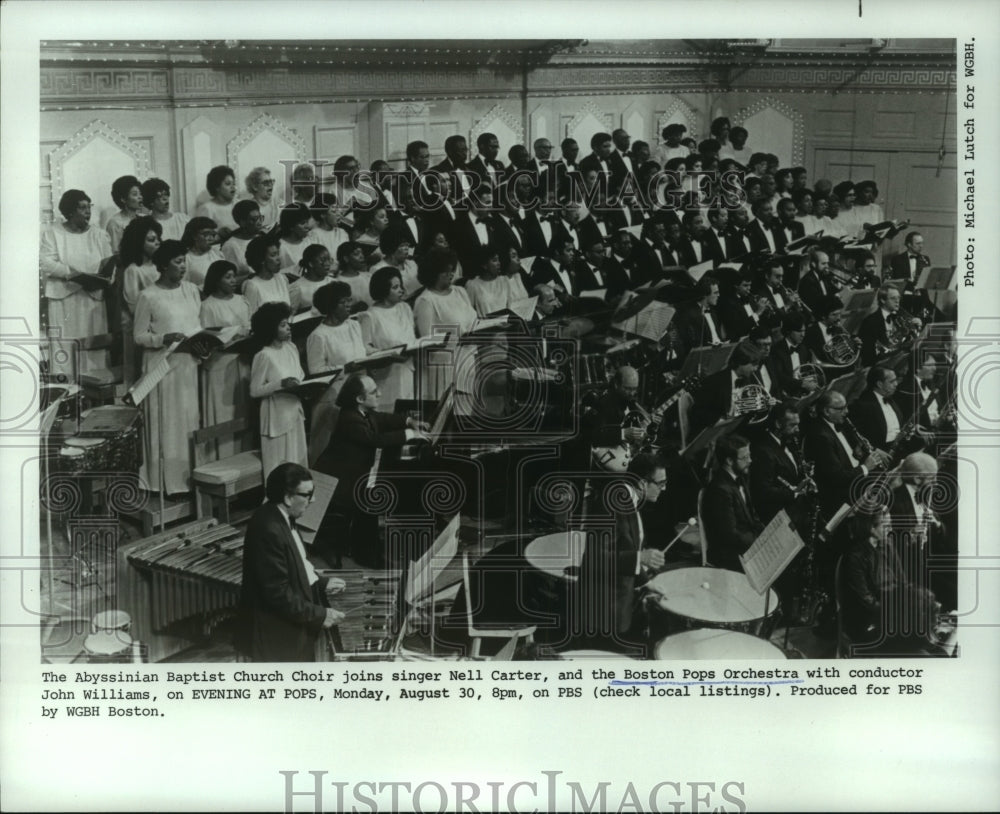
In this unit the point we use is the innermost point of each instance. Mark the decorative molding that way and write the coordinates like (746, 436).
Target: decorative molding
(822, 78)
(498, 113)
(103, 83)
(786, 110)
(687, 113)
(405, 110)
(589, 109)
(97, 129)
(265, 122)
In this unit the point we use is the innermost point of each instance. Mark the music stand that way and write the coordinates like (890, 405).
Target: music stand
(858, 303)
(770, 554)
(706, 360)
(423, 575)
(850, 385)
(312, 518)
(710, 435)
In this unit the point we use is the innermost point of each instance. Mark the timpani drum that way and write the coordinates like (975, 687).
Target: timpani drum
(108, 647)
(692, 598)
(111, 620)
(559, 555)
(593, 370)
(530, 387)
(716, 644)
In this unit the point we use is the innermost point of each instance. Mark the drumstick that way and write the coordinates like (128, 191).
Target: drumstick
(691, 522)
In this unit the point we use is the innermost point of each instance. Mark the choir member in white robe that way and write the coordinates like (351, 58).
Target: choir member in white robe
(139, 243)
(201, 237)
(295, 225)
(167, 312)
(388, 324)
(314, 273)
(67, 249)
(126, 192)
(267, 284)
(156, 198)
(221, 186)
(276, 366)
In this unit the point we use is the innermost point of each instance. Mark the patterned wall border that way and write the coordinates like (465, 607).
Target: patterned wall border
(95, 130)
(264, 122)
(798, 123)
(589, 108)
(688, 112)
(497, 113)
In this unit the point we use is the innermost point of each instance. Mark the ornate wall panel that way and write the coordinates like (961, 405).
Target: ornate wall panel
(265, 142)
(676, 112)
(508, 128)
(776, 124)
(588, 120)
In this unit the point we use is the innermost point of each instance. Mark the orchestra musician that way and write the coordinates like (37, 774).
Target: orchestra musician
(744, 310)
(817, 283)
(698, 323)
(829, 311)
(880, 331)
(359, 432)
(613, 562)
(717, 396)
(605, 424)
(789, 355)
(777, 472)
(761, 338)
(283, 602)
(908, 264)
(875, 413)
(730, 522)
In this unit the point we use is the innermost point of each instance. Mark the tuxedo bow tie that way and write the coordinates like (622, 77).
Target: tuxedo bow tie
(482, 220)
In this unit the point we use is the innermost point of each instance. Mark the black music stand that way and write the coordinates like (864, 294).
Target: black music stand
(706, 360)
(858, 303)
(710, 435)
(850, 385)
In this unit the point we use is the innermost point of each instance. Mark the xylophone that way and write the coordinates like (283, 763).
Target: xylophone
(180, 584)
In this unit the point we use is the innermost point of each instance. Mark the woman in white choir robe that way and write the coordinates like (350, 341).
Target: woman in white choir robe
(201, 237)
(68, 249)
(327, 214)
(126, 192)
(267, 284)
(140, 240)
(517, 280)
(337, 340)
(314, 273)
(166, 312)
(444, 308)
(488, 292)
(221, 185)
(225, 388)
(396, 244)
(353, 270)
(388, 324)
(156, 198)
(368, 228)
(247, 216)
(295, 225)
(276, 366)
(260, 188)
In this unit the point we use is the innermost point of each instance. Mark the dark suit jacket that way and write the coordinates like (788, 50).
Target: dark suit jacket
(350, 454)
(466, 242)
(608, 570)
(835, 470)
(621, 276)
(535, 241)
(448, 168)
(692, 327)
(735, 244)
(899, 267)
(507, 232)
(717, 249)
(758, 242)
(782, 367)
(618, 169)
(587, 279)
(713, 400)
(796, 228)
(282, 614)
(909, 399)
(543, 270)
(730, 523)
(592, 162)
(872, 331)
(768, 494)
(687, 253)
(478, 168)
(811, 290)
(602, 425)
(867, 416)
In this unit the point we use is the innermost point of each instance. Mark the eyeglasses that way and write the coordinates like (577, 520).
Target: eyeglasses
(659, 484)
(307, 495)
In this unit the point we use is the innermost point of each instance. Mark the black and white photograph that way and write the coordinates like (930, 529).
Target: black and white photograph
(466, 383)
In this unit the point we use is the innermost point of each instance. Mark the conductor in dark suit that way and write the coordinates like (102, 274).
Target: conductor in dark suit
(614, 559)
(730, 522)
(359, 432)
(283, 602)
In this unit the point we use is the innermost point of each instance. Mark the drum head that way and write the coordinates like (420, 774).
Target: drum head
(83, 443)
(716, 644)
(111, 620)
(554, 553)
(107, 643)
(71, 452)
(711, 595)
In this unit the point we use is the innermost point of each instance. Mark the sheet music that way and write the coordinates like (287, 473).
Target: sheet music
(771, 552)
(700, 270)
(527, 263)
(651, 322)
(525, 308)
(595, 293)
(152, 377)
(486, 324)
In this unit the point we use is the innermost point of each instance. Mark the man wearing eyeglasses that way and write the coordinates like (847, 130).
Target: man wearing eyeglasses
(283, 601)
(612, 563)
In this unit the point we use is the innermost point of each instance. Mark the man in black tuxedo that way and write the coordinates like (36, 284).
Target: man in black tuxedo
(621, 274)
(545, 174)
(773, 288)
(714, 399)
(737, 240)
(698, 322)
(613, 562)
(692, 249)
(350, 455)
(875, 413)
(283, 603)
(475, 229)
(714, 238)
(590, 271)
(839, 453)
(485, 166)
(816, 283)
(761, 338)
(558, 269)
(879, 330)
(730, 523)
(788, 355)
(432, 201)
(744, 310)
(602, 424)
(908, 264)
(454, 166)
(829, 311)
(763, 234)
(776, 473)
(620, 159)
(917, 393)
(789, 228)
(601, 145)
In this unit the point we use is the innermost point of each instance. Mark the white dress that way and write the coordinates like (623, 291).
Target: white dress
(359, 284)
(222, 214)
(269, 211)
(488, 296)
(258, 291)
(282, 419)
(385, 328)
(173, 227)
(73, 312)
(291, 253)
(438, 313)
(116, 227)
(225, 392)
(235, 251)
(197, 265)
(161, 311)
(302, 291)
(328, 346)
(135, 280)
